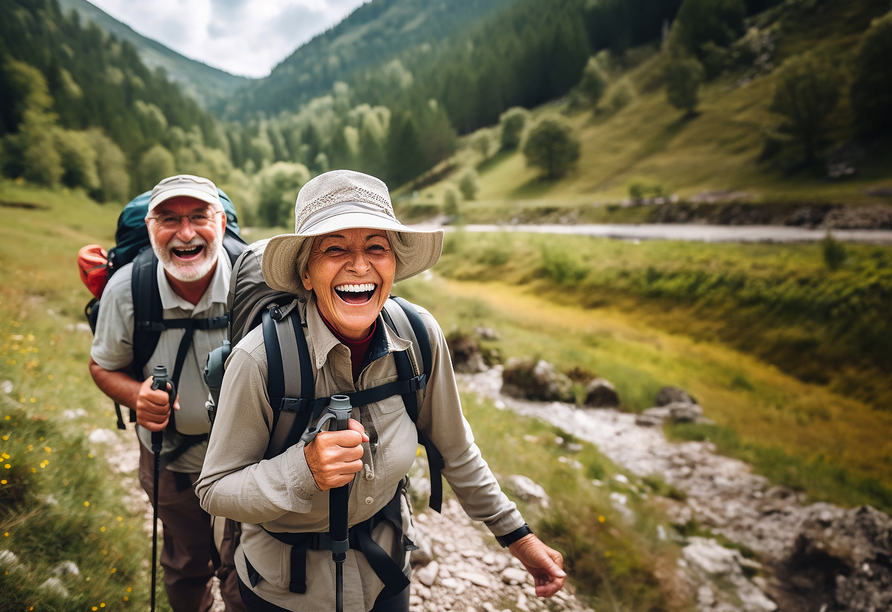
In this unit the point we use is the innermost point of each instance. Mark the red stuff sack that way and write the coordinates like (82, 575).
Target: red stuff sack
(92, 262)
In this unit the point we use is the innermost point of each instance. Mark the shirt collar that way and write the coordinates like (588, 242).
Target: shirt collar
(217, 291)
(384, 341)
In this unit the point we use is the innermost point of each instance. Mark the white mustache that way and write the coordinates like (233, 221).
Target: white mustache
(176, 243)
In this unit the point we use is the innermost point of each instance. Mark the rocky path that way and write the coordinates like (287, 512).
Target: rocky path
(815, 557)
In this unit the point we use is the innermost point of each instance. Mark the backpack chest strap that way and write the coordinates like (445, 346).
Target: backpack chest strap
(360, 538)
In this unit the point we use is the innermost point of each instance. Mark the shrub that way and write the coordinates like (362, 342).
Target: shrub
(552, 146)
(833, 251)
(469, 183)
(806, 92)
(871, 94)
(593, 84)
(512, 122)
(683, 79)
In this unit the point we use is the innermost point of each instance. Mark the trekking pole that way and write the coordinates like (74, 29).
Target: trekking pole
(159, 381)
(338, 532)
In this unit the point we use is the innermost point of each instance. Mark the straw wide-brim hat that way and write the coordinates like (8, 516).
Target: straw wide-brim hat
(340, 200)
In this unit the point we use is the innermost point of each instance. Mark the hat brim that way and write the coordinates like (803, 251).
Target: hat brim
(184, 192)
(421, 249)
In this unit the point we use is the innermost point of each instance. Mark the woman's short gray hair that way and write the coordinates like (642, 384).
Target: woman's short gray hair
(397, 245)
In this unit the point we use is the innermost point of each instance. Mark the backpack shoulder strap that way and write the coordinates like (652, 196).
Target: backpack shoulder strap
(292, 393)
(407, 323)
(147, 309)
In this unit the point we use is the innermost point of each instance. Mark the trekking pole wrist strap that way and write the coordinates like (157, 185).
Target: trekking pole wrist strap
(510, 538)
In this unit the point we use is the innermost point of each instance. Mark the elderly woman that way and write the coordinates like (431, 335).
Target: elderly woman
(347, 251)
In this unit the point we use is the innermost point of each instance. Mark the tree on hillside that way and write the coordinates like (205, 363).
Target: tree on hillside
(552, 146)
(871, 92)
(807, 89)
(111, 165)
(78, 159)
(279, 184)
(593, 83)
(683, 76)
(703, 21)
(481, 143)
(157, 163)
(469, 183)
(512, 122)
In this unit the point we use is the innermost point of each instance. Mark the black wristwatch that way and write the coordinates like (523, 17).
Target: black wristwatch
(510, 538)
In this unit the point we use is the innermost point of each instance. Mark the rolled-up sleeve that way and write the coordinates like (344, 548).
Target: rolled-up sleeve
(236, 481)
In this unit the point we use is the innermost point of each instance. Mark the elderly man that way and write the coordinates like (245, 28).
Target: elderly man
(186, 224)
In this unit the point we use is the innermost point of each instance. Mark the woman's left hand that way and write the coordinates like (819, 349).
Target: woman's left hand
(543, 563)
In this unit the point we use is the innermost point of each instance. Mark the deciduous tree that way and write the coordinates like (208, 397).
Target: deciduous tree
(552, 146)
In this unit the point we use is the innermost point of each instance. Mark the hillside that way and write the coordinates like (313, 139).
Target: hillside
(635, 137)
(206, 85)
(368, 38)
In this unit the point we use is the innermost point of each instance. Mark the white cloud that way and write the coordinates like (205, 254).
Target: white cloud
(244, 37)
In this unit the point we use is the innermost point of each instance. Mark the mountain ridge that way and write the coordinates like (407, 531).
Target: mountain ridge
(205, 84)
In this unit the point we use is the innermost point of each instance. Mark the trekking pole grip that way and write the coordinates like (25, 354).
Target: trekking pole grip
(160, 380)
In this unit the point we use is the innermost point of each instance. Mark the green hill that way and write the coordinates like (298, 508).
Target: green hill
(206, 85)
(723, 150)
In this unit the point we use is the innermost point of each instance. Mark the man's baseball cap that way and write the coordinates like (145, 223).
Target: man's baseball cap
(185, 185)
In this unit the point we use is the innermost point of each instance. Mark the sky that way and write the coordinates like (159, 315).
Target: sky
(242, 37)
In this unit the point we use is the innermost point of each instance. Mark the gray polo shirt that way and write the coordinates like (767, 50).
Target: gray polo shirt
(113, 350)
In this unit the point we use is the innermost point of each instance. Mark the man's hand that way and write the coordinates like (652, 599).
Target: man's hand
(543, 563)
(334, 457)
(153, 406)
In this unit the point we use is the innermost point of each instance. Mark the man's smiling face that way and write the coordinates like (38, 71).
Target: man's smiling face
(351, 273)
(186, 247)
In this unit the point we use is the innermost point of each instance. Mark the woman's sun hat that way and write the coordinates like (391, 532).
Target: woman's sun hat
(340, 200)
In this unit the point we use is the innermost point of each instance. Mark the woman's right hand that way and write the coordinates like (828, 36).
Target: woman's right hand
(334, 457)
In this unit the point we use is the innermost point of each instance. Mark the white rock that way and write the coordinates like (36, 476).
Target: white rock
(67, 568)
(8, 558)
(6, 386)
(427, 575)
(476, 578)
(512, 575)
(55, 587)
(103, 436)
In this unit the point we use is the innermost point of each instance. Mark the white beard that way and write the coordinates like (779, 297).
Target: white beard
(188, 271)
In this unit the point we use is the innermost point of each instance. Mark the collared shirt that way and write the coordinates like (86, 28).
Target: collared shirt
(281, 494)
(112, 350)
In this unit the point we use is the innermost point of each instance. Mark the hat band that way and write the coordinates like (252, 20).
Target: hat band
(344, 208)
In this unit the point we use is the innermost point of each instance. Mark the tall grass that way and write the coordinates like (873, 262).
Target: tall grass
(614, 560)
(773, 414)
(823, 323)
(61, 504)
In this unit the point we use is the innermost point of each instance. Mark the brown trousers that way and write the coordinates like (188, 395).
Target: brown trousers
(186, 551)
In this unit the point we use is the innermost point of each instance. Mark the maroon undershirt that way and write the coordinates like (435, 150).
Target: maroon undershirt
(358, 348)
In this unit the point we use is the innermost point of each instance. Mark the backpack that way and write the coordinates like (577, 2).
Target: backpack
(132, 245)
(291, 385)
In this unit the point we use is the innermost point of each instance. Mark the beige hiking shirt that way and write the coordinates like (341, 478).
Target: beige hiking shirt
(281, 494)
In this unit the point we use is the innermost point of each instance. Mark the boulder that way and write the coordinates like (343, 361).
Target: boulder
(600, 393)
(841, 560)
(669, 395)
(536, 380)
(466, 355)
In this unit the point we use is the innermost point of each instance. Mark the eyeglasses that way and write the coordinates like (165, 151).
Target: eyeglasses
(197, 219)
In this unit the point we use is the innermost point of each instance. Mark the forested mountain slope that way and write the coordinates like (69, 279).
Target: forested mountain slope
(367, 39)
(205, 84)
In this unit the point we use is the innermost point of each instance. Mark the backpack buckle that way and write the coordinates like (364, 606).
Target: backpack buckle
(294, 404)
(418, 383)
(275, 313)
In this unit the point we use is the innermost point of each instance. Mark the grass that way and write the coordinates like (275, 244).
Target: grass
(617, 564)
(783, 422)
(822, 323)
(60, 501)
